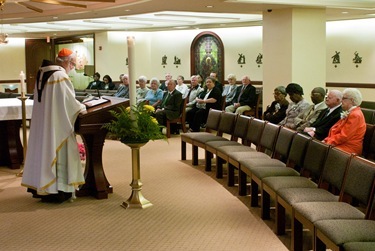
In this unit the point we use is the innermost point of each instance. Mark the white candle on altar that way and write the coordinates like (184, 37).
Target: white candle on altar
(131, 65)
(22, 79)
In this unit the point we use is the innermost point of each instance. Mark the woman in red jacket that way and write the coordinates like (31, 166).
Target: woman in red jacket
(347, 134)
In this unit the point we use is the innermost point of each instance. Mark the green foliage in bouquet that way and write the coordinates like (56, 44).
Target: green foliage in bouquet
(141, 127)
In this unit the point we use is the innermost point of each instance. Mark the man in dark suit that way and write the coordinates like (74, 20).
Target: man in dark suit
(163, 85)
(217, 83)
(244, 99)
(170, 107)
(328, 117)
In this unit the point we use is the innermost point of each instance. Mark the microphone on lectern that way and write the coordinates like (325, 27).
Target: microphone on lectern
(98, 93)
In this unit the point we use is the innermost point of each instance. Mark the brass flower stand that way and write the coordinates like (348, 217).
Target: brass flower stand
(136, 199)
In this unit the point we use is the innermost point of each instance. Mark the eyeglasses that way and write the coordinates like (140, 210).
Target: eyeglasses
(315, 94)
(72, 63)
(343, 98)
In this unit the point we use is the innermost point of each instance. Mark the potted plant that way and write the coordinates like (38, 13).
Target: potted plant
(135, 125)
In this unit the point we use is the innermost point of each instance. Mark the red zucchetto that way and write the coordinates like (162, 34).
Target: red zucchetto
(65, 52)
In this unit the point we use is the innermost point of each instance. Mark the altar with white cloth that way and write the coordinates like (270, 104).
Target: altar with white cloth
(11, 149)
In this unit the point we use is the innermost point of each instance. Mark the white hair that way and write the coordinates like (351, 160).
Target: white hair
(354, 94)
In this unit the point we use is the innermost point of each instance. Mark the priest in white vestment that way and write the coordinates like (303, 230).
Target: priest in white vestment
(53, 168)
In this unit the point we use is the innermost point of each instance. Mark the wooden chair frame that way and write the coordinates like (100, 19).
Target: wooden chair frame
(180, 120)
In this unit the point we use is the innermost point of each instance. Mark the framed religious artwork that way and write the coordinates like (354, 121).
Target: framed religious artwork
(207, 55)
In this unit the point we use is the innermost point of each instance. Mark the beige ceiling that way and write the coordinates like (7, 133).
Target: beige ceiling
(38, 19)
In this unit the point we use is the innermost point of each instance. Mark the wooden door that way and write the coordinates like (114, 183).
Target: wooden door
(35, 50)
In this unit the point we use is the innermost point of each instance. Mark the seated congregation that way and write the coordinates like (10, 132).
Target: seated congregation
(318, 185)
(189, 113)
(177, 104)
(313, 163)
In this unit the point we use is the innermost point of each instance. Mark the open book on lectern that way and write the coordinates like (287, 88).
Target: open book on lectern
(95, 102)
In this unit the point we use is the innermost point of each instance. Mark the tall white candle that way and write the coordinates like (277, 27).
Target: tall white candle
(22, 79)
(131, 65)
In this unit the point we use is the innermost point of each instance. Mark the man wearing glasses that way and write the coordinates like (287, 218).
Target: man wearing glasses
(52, 167)
(328, 117)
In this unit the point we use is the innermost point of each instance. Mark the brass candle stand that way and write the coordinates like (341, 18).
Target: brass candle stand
(136, 199)
(24, 131)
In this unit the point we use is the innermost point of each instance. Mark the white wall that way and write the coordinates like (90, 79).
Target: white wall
(348, 37)
(12, 59)
(344, 36)
(151, 47)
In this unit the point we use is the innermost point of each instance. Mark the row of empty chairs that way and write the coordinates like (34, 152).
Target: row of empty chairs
(308, 180)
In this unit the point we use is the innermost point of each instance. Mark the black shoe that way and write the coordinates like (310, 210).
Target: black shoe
(34, 193)
(56, 198)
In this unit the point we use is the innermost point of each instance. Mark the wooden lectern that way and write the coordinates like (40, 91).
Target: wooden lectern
(89, 126)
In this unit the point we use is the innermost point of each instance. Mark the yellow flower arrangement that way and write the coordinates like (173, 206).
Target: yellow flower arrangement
(135, 124)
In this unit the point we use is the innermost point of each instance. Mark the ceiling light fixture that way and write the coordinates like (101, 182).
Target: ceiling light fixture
(2, 2)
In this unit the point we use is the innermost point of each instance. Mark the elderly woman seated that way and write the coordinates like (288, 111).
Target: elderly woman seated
(277, 110)
(206, 100)
(142, 90)
(297, 106)
(154, 95)
(348, 133)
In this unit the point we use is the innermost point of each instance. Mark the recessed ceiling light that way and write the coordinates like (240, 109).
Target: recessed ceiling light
(127, 10)
(209, 6)
(55, 18)
(344, 12)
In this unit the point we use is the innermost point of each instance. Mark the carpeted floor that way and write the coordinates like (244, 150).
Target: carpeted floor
(191, 210)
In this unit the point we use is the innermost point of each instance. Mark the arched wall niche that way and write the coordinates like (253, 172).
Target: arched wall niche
(207, 55)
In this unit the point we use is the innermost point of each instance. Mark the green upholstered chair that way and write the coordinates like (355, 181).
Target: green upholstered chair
(239, 133)
(358, 189)
(212, 124)
(252, 139)
(226, 126)
(346, 234)
(279, 159)
(310, 173)
(329, 185)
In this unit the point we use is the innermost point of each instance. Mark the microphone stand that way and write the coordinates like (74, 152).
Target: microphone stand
(23, 100)
(99, 96)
